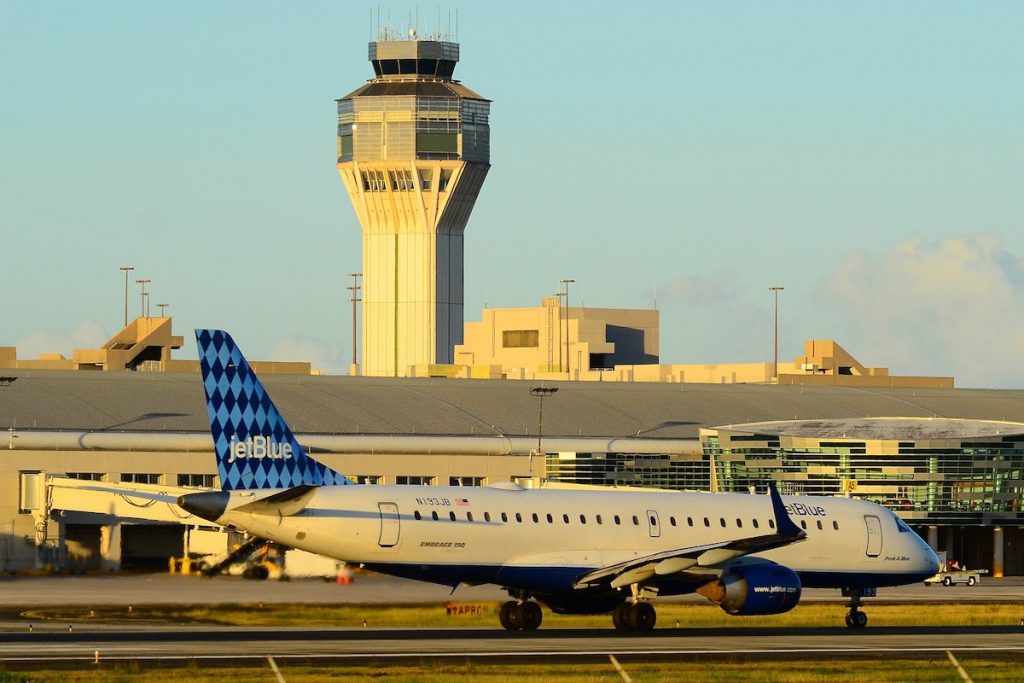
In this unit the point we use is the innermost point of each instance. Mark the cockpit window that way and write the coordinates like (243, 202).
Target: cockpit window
(902, 526)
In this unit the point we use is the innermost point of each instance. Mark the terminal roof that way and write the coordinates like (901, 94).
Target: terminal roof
(173, 402)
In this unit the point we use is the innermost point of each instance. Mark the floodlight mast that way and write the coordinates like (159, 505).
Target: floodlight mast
(541, 393)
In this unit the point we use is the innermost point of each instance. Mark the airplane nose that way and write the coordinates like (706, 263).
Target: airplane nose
(928, 561)
(931, 562)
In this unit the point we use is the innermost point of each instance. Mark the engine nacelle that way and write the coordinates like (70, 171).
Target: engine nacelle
(755, 589)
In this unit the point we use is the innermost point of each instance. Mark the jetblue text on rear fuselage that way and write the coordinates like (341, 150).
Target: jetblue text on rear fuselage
(257, 448)
(805, 510)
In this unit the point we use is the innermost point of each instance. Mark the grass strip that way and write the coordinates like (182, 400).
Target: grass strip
(485, 615)
(981, 668)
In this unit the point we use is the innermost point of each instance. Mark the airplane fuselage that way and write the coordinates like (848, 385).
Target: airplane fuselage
(542, 540)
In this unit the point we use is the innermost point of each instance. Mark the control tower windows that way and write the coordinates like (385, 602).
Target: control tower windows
(401, 181)
(437, 142)
(373, 181)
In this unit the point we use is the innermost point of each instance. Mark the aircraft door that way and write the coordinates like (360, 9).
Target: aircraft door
(653, 523)
(389, 525)
(874, 528)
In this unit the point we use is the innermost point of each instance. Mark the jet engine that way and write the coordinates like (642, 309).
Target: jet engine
(754, 589)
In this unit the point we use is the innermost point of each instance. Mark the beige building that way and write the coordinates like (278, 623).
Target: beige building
(144, 345)
(413, 152)
(552, 341)
(621, 345)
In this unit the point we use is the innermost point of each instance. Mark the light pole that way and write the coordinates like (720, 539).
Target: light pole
(559, 295)
(143, 283)
(568, 372)
(541, 393)
(162, 307)
(126, 269)
(354, 288)
(775, 363)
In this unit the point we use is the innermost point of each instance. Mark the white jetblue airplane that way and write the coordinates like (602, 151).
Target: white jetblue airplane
(575, 551)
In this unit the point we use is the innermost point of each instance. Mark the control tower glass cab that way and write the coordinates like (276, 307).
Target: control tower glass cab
(413, 152)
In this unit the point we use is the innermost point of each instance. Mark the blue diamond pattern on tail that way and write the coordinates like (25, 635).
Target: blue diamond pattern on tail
(255, 448)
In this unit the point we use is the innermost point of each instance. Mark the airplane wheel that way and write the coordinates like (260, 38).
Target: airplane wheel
(510, 615)
(619, 616)
(643, 616)
(857, 619)
(531, 616)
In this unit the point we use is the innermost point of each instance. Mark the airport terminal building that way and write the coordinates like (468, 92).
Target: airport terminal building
(950, 462)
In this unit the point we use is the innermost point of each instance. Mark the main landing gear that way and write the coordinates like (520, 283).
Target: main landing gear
(520, 615)
(634, 616)
(855, 618)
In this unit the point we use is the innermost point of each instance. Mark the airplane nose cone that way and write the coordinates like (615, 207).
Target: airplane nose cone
(931, 562)
(209, 505)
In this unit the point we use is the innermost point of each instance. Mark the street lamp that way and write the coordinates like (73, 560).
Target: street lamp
(126, 269)
(775, 363)
(568, 372)
(162, 307)
(354, 288)
(541, 393)
(143, 283)
(559, 296)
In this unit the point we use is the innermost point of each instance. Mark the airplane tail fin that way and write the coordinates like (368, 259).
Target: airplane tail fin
(254, 446)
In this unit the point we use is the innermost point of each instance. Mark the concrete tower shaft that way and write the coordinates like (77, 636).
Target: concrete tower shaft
(413, 152)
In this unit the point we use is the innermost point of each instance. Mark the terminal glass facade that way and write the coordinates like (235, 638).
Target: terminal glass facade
(947, 481)
(663, 471)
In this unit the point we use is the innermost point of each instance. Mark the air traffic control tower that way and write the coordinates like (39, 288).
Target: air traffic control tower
(413, 152)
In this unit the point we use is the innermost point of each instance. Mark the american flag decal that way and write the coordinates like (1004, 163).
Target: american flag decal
(462, 502)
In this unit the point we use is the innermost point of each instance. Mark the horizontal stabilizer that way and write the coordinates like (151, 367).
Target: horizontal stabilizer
(286, 503)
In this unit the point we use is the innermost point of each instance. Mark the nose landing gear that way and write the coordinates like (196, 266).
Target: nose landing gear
(855, 618)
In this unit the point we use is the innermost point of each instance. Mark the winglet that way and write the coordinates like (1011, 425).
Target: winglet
(783, 524)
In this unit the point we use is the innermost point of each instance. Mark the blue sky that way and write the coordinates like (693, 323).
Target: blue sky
(868, 157)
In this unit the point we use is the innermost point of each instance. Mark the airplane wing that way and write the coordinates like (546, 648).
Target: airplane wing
(702, 559)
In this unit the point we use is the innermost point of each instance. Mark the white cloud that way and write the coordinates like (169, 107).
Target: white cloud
(949, 307)
(713, 319)
(88, 334)
(325, 356)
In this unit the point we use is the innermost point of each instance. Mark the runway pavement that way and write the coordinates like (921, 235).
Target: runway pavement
(51, 641)
(116, 589)
(170, 642)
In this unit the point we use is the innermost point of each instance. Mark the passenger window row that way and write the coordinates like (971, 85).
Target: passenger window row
(598, 519)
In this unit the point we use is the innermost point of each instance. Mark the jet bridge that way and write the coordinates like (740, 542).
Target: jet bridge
(84, 524)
